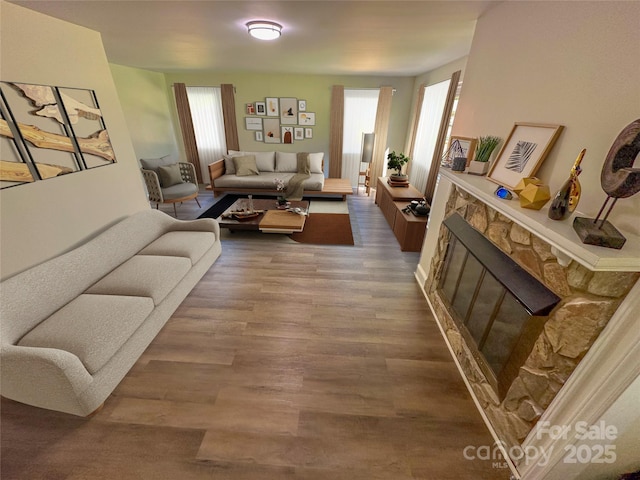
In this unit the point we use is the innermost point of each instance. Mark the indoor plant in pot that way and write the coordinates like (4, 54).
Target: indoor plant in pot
(484, 148)
(395, 161)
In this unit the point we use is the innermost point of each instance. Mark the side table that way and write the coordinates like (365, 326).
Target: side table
(408, 228)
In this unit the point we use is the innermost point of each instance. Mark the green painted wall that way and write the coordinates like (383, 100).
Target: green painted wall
(315, 89)
(148, 110)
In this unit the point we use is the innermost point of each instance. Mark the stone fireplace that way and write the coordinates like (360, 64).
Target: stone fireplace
(498, 307)
(516, 375)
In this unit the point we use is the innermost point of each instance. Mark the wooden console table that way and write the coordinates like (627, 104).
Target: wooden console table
(408, 228)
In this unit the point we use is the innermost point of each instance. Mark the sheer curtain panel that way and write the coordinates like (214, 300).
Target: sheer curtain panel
(360, 107)
(208, 125)
(427, 132)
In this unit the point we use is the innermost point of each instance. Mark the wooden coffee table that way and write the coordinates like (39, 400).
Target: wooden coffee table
(271, 219)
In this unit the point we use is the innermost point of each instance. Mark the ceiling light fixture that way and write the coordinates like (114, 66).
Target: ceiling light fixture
(264, 29)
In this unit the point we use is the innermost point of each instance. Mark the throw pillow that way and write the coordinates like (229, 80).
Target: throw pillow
(316, 162)
(229, 166)
(266, 161)
(169, 175)
(154, 163)
(286, 162)
(246, 165)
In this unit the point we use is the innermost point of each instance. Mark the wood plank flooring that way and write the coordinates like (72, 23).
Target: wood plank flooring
(287, 361)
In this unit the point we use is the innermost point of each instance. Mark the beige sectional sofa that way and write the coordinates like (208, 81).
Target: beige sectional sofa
(269, 167)
(73, 326)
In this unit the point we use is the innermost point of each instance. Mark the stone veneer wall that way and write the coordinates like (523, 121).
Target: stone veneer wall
(588, 301)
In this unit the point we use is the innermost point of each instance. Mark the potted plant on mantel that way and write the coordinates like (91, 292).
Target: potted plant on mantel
(395, 161)
(484, 148)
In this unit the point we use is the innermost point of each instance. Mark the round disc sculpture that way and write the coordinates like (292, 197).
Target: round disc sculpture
(619, 180)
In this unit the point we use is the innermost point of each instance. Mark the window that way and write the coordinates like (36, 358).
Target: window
(205, 104)
(433, 105)
(360, 108)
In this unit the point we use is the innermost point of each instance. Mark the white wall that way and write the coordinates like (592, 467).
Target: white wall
(569, 63)
(574, 64)
(45, 218)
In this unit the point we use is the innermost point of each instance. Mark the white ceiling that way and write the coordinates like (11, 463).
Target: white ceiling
(366, 37)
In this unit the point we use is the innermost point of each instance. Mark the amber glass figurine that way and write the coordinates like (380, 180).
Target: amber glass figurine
(566, 200)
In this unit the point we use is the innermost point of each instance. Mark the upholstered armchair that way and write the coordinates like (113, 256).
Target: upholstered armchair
(169, 181)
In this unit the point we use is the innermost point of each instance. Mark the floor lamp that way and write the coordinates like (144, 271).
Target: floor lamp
(368, 139)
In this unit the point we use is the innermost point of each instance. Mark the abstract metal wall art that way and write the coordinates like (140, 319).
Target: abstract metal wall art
(48, 131)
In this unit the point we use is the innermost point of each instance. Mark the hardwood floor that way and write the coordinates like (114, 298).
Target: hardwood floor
(287, 361)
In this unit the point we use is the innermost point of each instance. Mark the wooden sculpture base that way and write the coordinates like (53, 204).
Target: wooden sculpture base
(604, 236)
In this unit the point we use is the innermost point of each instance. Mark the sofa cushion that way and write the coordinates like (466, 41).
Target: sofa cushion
(143, 276)
(169, 175)
(266, 181)
(92, 327)
(192, 245)
(246, 165)
(265, 161)
(179, 191)
(286, 162)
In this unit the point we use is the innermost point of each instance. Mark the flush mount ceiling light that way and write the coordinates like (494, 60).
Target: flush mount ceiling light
(264, 29)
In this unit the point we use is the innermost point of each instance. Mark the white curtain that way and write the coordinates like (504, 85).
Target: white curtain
(208, 123)
(360, 107)
(435, 98)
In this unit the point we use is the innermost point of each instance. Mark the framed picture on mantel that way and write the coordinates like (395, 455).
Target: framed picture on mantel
(523, 152)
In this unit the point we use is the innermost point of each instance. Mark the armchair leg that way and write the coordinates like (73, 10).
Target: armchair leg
(175, 212)
(196, 199)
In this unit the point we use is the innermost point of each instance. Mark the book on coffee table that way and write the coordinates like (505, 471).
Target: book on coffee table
(282, 221)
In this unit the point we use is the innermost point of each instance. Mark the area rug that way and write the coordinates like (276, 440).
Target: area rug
(326, 229)
(225, 202)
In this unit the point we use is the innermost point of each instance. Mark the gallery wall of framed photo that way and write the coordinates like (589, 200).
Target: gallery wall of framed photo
(282, 120)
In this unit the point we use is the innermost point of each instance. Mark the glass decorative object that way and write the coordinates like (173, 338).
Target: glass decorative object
(566, 200)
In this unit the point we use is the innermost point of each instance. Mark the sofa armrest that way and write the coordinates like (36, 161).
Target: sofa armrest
(216, 169)
(152, 182)
(198, 225)
(44, 377)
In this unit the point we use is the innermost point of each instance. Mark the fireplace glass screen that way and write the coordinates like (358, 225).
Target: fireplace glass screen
(480, 291)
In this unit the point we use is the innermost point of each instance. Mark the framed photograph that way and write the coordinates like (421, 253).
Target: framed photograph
(261, 108)
(306, 118)
(459, 147)
(251, 109)
(288, 111)
(252, 123)
(259, 136)
(302, 105)
(308, 133)
(287, 134)
(273, 110)
(271, 130)
(298, 133)
(523, 152)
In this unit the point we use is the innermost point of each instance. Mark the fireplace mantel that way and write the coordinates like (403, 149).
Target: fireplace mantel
(559, 234)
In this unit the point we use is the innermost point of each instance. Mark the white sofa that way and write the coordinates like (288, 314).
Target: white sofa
(270, 166)
(73, 326)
